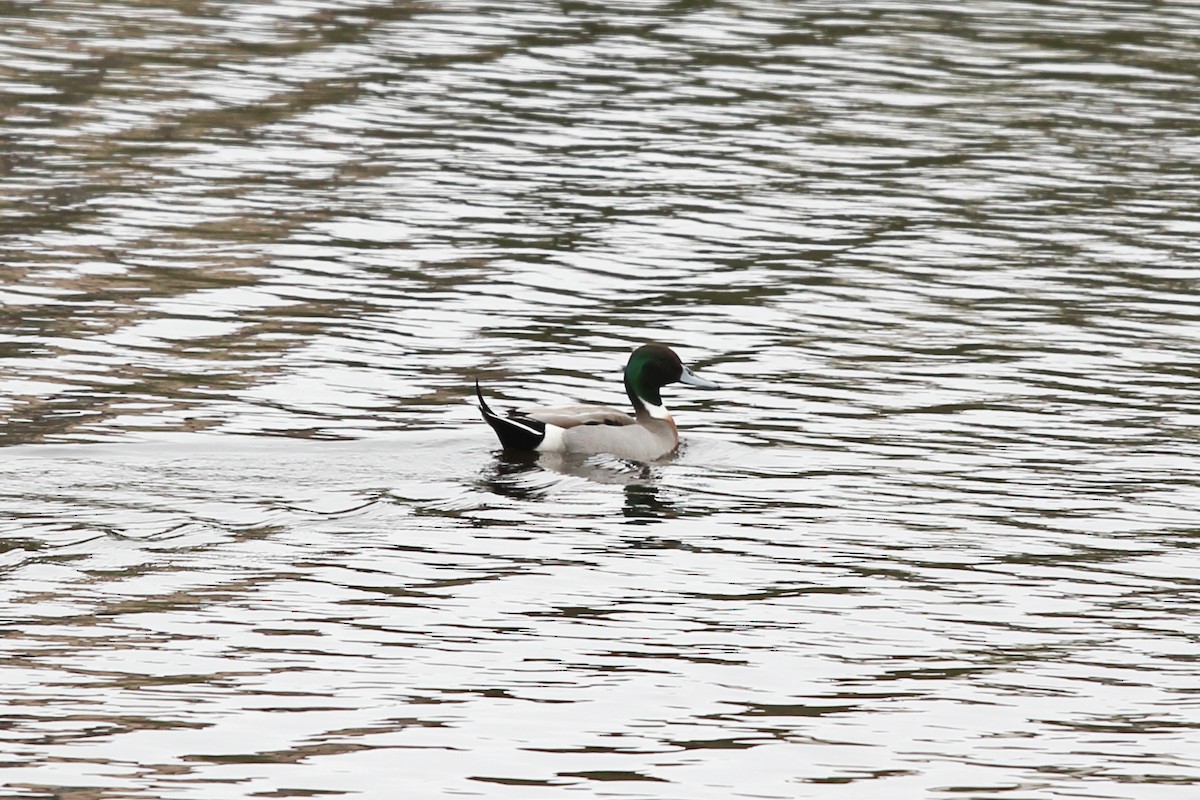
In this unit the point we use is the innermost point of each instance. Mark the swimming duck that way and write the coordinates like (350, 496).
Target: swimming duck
(648, 435)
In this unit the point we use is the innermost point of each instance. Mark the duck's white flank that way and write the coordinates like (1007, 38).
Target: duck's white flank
(553, 441)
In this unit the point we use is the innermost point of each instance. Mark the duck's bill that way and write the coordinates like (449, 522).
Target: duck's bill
(692, 379)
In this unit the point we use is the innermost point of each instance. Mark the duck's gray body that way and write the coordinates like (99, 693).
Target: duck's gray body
(647, 435)
(600, 429)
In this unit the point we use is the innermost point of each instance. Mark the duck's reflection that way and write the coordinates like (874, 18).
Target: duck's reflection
(528, 476)
(513, 474)
(644, 504)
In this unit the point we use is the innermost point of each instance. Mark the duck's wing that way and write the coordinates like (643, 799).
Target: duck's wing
(570, 416)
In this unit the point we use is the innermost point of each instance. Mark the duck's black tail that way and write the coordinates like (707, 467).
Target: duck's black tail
(516, 431)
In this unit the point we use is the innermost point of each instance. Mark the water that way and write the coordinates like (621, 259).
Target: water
(935, 537)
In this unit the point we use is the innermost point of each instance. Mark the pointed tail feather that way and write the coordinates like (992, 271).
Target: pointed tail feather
(516, 432)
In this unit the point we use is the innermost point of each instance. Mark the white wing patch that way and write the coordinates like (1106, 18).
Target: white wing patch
(517, 424)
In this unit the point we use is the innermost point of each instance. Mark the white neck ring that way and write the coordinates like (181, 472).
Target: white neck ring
(658, 412)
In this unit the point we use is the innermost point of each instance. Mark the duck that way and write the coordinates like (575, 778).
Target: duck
(647, 435)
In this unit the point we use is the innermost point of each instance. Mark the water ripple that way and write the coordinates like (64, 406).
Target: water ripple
(936, 534)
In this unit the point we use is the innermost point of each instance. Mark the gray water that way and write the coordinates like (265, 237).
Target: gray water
(936, 537)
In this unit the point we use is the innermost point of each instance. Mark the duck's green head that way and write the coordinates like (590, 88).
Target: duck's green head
(651, 367)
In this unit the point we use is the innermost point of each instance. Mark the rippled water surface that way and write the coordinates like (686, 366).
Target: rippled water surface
(936, 537)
